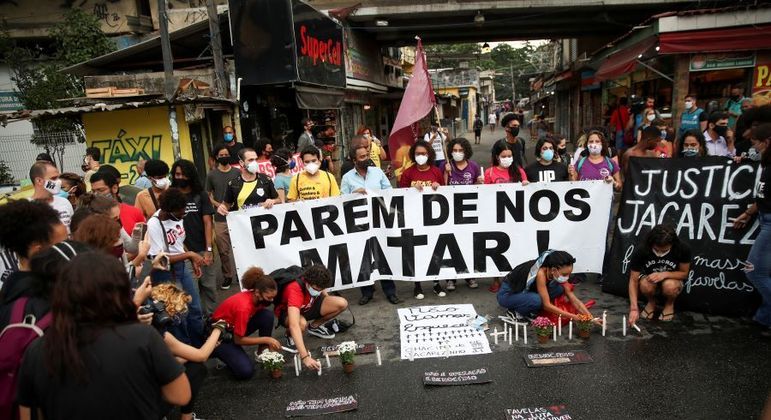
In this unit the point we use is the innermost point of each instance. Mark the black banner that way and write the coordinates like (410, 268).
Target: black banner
(558, 358)
(463, 377)
(700, 198)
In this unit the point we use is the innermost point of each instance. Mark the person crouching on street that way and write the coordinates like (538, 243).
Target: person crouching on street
(305, 305)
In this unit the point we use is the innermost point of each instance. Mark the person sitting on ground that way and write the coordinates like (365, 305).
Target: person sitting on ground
(692, 144)
(532, 287)
(659, 266)
(546, 168)
(95, 357)
(247, 312)
(306, 306)
(313, 183)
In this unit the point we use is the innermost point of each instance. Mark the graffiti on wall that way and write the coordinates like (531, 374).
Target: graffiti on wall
(127, 150)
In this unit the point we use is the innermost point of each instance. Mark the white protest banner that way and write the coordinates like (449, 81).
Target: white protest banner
(456, 232)
(440, 331)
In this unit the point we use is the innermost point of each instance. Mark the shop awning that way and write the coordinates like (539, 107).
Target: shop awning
(318, 98)
(748, 38)
(624, 61)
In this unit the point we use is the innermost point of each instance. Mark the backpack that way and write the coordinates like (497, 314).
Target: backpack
(283, 277)
(581, 163)
(14, 340)
(517, 278)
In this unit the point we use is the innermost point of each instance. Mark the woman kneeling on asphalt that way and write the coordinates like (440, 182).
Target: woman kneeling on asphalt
(658, 267)
(533, 285)
(247, 312)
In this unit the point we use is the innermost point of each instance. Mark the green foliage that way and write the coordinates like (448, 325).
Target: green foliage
(6, 177)
(80, 38)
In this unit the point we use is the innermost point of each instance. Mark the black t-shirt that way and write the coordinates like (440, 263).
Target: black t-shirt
(259, 190)
(198, 206)
(761, 191)
(126, 365)
(646, 262)
(19, 284)
(233, 150)
(554, 171)
(519, 151)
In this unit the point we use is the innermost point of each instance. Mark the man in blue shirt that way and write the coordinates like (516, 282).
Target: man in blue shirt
(358, 180)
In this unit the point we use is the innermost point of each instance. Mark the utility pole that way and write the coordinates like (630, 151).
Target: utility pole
(513, 85)
(215, 39)
(168, 76)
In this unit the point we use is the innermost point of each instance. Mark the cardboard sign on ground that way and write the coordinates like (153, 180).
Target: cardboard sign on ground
(461, 377)
(365, 348)
(322, 406)
(557, 358)
(556, 412)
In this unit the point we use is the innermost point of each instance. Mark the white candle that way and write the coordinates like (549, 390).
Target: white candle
(377, 351)
(559, 325)
(604, 321)
(296, 365)
(516, 331)
(327, 357)
(623, 326)
(509, 334)
(524, 332)
(570, 330)
(319, 369)
(554, 331)
(637, 328)
(495, 334)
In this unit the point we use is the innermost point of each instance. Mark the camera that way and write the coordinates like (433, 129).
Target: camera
(161, 318)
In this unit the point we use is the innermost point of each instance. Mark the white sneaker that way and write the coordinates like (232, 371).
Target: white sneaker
(472, 284)
(450, 285)
(419, 296)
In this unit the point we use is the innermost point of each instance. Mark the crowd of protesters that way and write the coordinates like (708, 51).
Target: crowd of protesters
(126, 293)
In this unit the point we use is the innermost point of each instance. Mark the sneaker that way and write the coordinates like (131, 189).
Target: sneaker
(321, 332)
(494, 287)
(226, 282)
(450, 285)
(418, 292)
(472, 284)
(290, 342)
(439, 291)
(394, 299)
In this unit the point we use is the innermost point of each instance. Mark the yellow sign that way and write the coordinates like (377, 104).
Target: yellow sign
(125, 136)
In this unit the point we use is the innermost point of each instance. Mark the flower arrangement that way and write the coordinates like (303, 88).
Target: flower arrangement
(584, 322)
(543, 326)
(271, 360)
(347, 350)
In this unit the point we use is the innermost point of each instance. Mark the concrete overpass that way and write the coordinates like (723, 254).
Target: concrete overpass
(396, 22)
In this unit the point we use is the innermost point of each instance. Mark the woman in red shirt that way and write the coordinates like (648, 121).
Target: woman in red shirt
(423, 173)
(247, 312)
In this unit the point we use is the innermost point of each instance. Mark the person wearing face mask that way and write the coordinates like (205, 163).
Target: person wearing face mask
(284, 163)
(73, 187)
(103, 183)
(533, 286)
(306, 138)
(312, 183)
(142, 181)
(166, 234)
(232, 144)
(665, 148)
(693, 117)
(376, 151)
(562, 156)
(505, 168)
(649, 115)
(511, 125)
(102, 233)
(90, 164)
(733, 106)
(348, 163)
(147, 200)
(199, 231)
(598, 164)
(216, 185)
(247, 312)
(758, 267)
(462, 170)
(305, 306)
(692, 144)
(251, 189)
(545, 169)
(264, 150)
(718, 136)
(47, 189)
(436, 138)
(659, 266)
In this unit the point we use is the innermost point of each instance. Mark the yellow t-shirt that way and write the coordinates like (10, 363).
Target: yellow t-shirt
(374, 153)
(303, 187)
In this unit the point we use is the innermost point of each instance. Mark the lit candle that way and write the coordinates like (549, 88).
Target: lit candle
(524, 332)
(559, 325)
(570, 330)
(604, 321)
(508, 329)
(623, 326)
(554, 333)
(327, 357)
(495, 334)
(377, 351)
(516, 331)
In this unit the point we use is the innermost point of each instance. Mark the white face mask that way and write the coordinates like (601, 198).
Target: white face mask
(252, 167)
(595, 148)
(688, 104)
(162, 183)
(458, 156)
(421, 159)
(753, 155)
(53, 186)
(313, 292)
(650, 117)
(507, 161)
(312, 167)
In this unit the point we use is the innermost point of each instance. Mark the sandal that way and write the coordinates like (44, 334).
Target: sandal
(671, 316)
(648, 315)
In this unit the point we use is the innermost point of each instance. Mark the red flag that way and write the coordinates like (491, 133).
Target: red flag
(417, 102)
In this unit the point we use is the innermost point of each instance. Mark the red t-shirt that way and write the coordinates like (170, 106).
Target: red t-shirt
(294, 295)
(237, 310)
(129, 216)
(413, 176)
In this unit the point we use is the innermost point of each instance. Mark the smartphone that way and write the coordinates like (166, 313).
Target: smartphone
(138, 234)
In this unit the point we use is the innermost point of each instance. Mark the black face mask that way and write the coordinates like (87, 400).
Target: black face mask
(721, 130)
(181, 183)
(562, 150)
(264, 302)
(223, 160)
(513, 130)
(361, 164)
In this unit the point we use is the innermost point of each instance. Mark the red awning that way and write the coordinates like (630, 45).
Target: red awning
(624, 61)
(748, 38)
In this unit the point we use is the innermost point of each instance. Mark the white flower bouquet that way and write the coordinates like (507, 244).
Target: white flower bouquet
(271, 360)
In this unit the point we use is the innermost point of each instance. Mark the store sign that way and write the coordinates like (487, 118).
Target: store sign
(363, 60)
(319, 47)
(705, 62)
(761, 82)
(588, 82)
(9, 101)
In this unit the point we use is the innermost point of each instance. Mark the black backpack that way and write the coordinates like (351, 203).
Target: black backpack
(517, 278)
(283, 277)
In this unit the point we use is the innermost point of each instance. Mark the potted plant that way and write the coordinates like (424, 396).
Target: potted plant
(584, 323)
(273, 362)
(543, 327)
(347, 350)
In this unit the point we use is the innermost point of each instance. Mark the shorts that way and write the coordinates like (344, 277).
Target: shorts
(314, 312)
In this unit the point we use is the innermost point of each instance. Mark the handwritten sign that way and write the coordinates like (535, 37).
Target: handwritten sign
(556, 412)
(440, 331)
(323, 406)
(462, 377)
(557, 358)
(364, 348)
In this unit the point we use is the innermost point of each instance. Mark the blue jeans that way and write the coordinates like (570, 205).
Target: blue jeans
(620, 141)
(760, 276)
(234, 356)
(389, 288)
(188, 330)
(526, 302)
